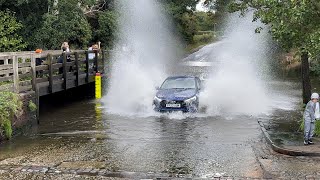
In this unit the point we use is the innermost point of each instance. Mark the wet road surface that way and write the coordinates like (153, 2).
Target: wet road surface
(81, 135)
(172, 144)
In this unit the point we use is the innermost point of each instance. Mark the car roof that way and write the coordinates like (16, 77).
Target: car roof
(176, 77)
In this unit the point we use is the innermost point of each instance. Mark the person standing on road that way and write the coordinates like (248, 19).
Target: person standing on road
(309, 118)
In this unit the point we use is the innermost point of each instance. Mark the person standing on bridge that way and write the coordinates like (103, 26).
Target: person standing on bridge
(65, 49)
(309, 118)
(92, 55)
(94, 48)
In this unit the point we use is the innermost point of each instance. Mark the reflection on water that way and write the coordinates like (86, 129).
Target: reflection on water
(171, 143)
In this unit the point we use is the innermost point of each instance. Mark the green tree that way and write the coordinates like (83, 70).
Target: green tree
(182, 12)
(205, 21)
(30, 14)
(293, 24)
(9, 39)
(219, 7)
(107, 26)
(64, 22)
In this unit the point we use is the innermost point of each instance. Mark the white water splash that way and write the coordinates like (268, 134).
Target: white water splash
(239, 82)
(144, 51)
(236, 84)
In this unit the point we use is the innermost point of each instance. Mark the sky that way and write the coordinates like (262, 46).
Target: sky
(200, 6)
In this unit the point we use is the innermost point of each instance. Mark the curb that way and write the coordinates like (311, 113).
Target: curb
(282, 150)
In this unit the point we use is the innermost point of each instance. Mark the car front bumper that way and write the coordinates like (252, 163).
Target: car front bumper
(184, 107)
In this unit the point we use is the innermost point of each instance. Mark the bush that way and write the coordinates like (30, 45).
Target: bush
(10, 104)
(32, 106)
(315, 67)
(9, 27)
(203, 38)
(316, 130)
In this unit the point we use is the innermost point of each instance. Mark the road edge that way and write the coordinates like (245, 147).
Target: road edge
(282, 150)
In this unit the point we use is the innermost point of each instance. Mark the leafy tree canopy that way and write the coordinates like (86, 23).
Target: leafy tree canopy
(182, 12)
(47, 23)
(293, 24)
(64, 22)
(9, 39)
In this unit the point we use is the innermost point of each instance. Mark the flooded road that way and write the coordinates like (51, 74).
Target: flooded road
(196, 146)
(76, 138)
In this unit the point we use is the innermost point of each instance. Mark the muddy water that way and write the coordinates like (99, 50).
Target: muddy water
(76, 131)
(82, 134)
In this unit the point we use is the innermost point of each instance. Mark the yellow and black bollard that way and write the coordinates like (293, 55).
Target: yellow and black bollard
(98, 85)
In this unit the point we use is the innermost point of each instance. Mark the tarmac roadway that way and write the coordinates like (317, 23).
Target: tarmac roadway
(80, 140)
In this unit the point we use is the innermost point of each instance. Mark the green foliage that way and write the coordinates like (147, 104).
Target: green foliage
(315, 67)
(220, 7)
(32, 106)
(10, 105)
(182, 12)
(200, 40)
(66, 23)
(9, 39)
(204, 38)
(107, 27)
(187, 20)
(205, 21)
(46, 23)
(29, 13)
(316, 130)
(293, 24)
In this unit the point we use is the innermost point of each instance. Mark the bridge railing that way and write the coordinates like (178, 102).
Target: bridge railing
(47, 73)
(15, 72)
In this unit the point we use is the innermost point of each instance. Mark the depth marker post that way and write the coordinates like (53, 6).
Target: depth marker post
(98, 85)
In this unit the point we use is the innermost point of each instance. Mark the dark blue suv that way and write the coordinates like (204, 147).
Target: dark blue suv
(178, 93)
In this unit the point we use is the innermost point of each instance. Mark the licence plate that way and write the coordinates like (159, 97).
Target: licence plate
(173, 105)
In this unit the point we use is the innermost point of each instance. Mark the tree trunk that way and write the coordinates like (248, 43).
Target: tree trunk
(305, 72)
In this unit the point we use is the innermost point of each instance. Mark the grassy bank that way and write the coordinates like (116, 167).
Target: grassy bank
(200, 40)
(10, 105)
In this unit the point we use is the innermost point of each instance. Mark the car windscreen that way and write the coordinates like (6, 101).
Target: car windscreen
(179, 83)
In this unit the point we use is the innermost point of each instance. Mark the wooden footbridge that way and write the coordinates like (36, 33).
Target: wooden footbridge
(48, 72)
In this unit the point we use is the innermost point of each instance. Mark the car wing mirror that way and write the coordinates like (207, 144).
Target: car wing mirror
(157, 87)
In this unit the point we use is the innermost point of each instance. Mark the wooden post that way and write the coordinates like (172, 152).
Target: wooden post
(6, 62)
(96, 69)
(34, 85)
(38, 103)
(305, 73)
(87, 67)
(103, 60)
(76, 55)
(33, 72)
(49, 57)
(15, 74)
(64, 70)
(103, 82)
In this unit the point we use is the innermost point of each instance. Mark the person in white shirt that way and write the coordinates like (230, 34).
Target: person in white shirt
(310, 117)
(94, 47)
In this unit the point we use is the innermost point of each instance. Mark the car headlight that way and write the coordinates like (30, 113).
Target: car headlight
(190, 100)
(156, 99)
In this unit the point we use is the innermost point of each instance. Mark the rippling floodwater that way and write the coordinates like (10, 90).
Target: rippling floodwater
(200, 145)
(133, 138)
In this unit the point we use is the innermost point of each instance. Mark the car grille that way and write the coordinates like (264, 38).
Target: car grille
(164, 102)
